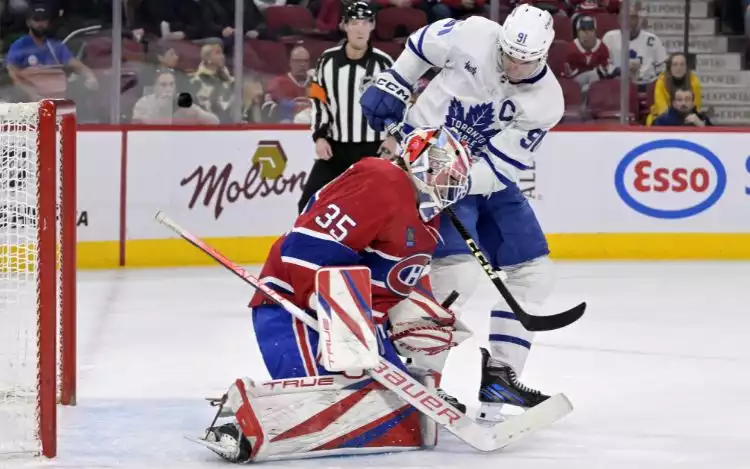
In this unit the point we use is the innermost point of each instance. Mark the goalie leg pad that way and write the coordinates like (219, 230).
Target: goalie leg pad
(289, 347)
(315, 416)
(344, 306)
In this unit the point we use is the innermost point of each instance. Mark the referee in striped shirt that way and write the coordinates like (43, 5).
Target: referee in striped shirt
(340, 131)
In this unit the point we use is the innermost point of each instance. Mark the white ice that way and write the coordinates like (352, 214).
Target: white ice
(657, 370)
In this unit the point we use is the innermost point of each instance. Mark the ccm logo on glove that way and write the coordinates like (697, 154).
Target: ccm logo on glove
(393, 88)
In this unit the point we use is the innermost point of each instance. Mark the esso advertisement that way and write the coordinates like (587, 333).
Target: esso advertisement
(670, 179)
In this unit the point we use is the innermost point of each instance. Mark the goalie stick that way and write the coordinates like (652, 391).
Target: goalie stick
(481, 437)
(529, 321)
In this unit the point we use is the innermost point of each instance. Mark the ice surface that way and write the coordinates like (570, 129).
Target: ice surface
(657, 370)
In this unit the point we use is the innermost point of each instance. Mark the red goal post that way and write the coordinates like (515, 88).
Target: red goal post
(37, 272)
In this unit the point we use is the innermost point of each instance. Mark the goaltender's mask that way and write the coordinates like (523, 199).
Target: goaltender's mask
(439, 165)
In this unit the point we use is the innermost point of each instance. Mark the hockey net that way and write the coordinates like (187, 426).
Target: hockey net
(37, 273)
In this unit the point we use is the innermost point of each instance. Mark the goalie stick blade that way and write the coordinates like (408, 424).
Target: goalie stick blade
(517, 427)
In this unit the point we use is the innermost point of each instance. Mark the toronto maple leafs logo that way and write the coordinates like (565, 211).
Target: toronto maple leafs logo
(473, 126)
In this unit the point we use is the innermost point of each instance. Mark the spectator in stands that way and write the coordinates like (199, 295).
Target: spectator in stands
(583, 8)
(587, 7)
(587, 59)
(202, 21)
(189, 113)
(555, 7)
(165, 57)
(289, 93)
(167, 19)
(36, 62)
(440, 9)
(682, 112)
(676, 76)
(647, 53)
(255, 109)
(211, 84)
(158, 106)
(73, 15)
(214, 24)
(13, 19)
(252, 19)
(263, 4)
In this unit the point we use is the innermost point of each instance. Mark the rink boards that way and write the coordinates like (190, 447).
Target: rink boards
(599, 194)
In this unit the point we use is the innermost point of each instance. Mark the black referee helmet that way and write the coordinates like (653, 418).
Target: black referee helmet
(359, 10)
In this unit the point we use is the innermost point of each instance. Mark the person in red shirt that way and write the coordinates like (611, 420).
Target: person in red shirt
(588, 57)
(288, 93)
(595, 6)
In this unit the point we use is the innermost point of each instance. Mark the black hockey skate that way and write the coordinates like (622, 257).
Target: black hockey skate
(228, 442)
(501, 386)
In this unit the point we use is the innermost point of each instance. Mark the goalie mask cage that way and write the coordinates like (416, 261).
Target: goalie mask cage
(37, 273)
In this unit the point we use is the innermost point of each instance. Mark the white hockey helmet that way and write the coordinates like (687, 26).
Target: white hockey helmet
(524, 41)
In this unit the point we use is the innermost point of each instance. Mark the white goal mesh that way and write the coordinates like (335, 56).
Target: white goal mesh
(32, 182)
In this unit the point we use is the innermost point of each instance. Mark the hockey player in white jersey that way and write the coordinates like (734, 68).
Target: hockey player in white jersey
(496, 91)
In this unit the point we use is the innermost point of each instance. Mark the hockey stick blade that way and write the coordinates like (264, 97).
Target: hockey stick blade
(530, 322)
(401, 383)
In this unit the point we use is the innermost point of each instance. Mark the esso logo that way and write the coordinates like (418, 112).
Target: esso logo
(405, 274)
(670, 179)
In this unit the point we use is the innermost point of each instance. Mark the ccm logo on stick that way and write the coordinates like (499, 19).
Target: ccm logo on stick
(670, 179)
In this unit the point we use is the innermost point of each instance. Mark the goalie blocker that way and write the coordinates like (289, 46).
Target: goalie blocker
(303, 415)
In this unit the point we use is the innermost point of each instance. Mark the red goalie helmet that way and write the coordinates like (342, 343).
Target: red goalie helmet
(439, 165)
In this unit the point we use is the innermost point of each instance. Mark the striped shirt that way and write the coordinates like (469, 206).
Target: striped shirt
(337, 86)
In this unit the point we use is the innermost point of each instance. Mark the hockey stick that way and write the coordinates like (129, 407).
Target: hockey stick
(529, 321)
(407, 388)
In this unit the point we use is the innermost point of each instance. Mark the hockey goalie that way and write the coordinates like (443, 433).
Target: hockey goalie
(357, 260)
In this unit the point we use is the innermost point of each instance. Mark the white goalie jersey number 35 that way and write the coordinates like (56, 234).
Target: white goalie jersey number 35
(341, 222)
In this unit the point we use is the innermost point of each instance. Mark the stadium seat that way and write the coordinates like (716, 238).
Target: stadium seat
(291, 19)
(563, 28)
(605, 22)
(265, 56)
(558, 57)
(398, 22)
(316, 47)
(98, 52)
(189, 54)
(573, 100)
(393, 49)
(604, 100)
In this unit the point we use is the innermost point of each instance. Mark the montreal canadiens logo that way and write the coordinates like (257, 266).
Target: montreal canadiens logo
(670, 179)
(406, 273)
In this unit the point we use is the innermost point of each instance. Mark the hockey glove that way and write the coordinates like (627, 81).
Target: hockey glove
(385, 100)
(424, 331)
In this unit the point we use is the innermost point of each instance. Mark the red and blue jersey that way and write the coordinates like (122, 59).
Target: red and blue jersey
(367, 216)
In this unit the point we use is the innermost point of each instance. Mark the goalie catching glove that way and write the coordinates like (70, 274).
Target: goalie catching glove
(424, 331)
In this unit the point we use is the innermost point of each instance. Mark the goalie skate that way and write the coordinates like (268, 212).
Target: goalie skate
(227, 441)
